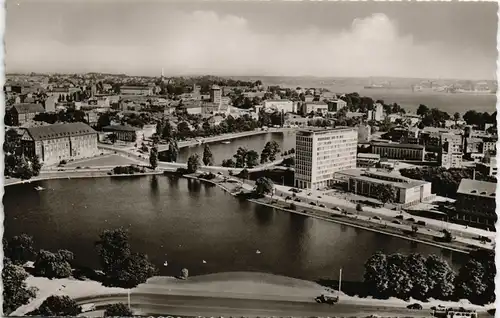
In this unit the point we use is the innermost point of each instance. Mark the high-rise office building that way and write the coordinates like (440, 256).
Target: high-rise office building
(321, 152)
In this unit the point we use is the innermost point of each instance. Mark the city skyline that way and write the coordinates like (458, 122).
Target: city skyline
(254, 39)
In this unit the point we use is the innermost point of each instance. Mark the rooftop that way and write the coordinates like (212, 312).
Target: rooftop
(477, 188)
(120, 128)
(59, 131)
(325, 130)
(28, 108)
(368, 156)
(395, 145)
(380, 177)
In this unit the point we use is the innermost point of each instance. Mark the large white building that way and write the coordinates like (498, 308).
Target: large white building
(321, 152)
(284, 105)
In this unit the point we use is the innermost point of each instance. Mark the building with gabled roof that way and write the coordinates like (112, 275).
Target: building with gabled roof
(20, 114)
(53, 143)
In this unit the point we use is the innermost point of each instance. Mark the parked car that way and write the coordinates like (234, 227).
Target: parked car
(312, 203)
(377, 218)
(399, 217)
(296, 200)
(421, 223)
(322, 206)
(396, 222)
(309, 193)
(323, 299)
(337, 208)
(410, 219)
(415, 306)
(319, 197)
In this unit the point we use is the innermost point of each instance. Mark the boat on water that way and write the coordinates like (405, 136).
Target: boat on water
(226, 142)
(257, 252)
(374, 86)
(39, 188)
(165, 264)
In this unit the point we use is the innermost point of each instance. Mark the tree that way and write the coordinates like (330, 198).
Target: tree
(134, 270)
(193, 163)
(113, 138)
(153, 158)
(15, 291)
(440, 277)
(122, 267)
(252, 158)
(470, 282)
(240, 157)
(54, 265)
(244, 174)
(166, 132)
(184, 273)
(399, 282)
(59, 306)
(415, 264)
(263, 186)
(422, 110)
(386, 193)
(20, 249)
(113, 248)
(229, 163)
(103, 120)
(208, 157)
(376, 275)
(118, 310)
(456, 117)
(173, 147)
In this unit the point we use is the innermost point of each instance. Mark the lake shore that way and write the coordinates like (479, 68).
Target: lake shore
(337, 217)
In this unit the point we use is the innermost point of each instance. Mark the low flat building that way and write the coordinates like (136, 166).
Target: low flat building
(399, 151)
(20, 114)
(53, 143)
(475, 204)
(136, 90)
(336, 105)
(488, 168)
(125, 133)
(408, 192)
(367, 160)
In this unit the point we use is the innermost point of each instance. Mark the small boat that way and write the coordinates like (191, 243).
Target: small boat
(257, 252)
(226, 142)
(39, 188)
(204, 262)
(165, 264)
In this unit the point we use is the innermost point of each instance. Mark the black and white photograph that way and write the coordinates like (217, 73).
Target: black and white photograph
(249, 159)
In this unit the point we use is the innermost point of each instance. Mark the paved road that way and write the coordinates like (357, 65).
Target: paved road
(157, 304)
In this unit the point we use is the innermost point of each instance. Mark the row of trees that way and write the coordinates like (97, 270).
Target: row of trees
(17, 163)
(249, 158)
(121, 266)
(401, 276)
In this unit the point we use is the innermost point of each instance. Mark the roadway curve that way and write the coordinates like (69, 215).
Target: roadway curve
(182, 305)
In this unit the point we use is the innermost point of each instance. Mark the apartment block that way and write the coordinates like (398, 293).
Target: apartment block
(321, 152)
(451, 151)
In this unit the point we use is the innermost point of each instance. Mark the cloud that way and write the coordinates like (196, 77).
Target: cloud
(203, 42)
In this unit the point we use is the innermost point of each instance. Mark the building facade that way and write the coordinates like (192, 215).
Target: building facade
(216, 95)
(475, 203)
(136, 90)
(408, 192)
(284, 105)
(21, 114)
(399, 151)
(53, 143)
(451, 151)
(125, 133)
(309, 107)
(321, 152)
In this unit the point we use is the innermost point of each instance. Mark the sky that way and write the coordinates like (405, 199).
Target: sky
(253, 38)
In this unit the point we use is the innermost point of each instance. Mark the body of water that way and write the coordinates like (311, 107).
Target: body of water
(222, 151)
(185, 222)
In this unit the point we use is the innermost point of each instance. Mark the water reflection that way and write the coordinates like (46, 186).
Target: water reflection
(264, 214)
(154, 186)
